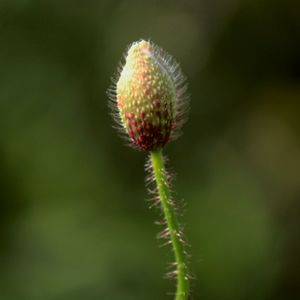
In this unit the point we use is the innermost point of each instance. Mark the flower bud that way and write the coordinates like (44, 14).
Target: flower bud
(150, 96)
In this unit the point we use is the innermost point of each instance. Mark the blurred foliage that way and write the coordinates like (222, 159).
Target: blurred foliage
(74, 223)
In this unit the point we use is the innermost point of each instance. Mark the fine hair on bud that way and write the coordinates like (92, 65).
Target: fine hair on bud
(149, 97)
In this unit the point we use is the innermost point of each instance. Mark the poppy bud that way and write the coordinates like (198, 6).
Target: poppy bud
(150, 96)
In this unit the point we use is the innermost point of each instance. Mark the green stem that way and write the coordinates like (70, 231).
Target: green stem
(159, 173)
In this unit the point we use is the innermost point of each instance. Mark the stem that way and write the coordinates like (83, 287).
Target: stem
(159, 173)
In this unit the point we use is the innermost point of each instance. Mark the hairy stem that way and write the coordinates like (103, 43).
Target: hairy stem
(173, 229)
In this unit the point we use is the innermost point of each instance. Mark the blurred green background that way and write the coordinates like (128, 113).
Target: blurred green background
(74, 223)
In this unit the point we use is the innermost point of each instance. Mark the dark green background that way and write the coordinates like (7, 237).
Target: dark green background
(74, 223)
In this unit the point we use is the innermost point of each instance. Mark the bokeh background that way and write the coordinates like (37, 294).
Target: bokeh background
(74, 220)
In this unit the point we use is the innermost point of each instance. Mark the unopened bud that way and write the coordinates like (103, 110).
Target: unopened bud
(150, 96)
